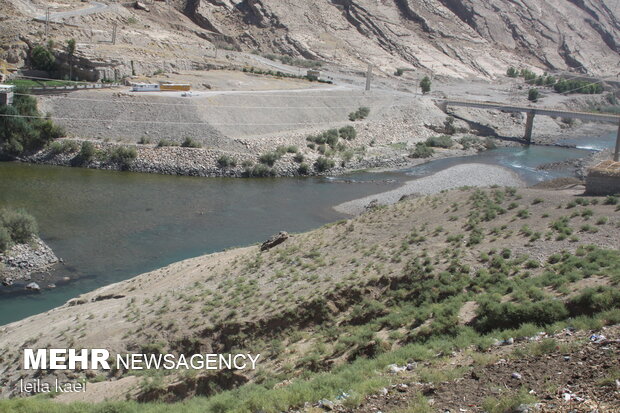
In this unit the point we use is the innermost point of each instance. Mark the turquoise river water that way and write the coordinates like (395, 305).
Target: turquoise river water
(109, 226)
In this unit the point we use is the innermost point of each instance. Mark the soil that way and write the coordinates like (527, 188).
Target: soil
(576, 374)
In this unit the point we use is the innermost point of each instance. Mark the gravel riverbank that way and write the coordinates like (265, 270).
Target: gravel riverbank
(23, 260)
(474, 174)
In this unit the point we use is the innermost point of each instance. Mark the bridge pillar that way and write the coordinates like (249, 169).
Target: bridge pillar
(529, 125)
(617, 152)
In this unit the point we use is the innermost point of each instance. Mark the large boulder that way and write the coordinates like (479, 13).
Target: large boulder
(277, 239)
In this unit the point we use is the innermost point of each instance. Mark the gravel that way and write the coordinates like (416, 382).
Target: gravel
(473, 174)
(22, 260)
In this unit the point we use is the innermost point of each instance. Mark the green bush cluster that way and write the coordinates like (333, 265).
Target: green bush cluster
(65, 146)
(294, 61)
(282, 74)
(360, 113)
(16, 227)
(578, 86)
(20, 135)
(259, 171)
(87, 152)
(421, 150)
(442, 141)
(226, 161)
(322, 164)
(190, 143)
(124, 156)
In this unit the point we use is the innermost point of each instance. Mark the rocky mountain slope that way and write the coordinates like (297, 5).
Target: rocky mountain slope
(445, 37)
(454, 37)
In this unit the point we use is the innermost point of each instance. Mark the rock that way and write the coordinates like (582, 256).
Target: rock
(277, 239)
(33, 287)
(516, 376)
(8, 281)
(394, 368)
(326, 404)
(141, 6)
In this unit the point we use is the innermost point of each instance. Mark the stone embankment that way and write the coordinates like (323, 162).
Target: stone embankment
(23, 260)
(205, 162)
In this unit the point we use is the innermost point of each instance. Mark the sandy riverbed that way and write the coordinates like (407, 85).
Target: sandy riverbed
(473, 174)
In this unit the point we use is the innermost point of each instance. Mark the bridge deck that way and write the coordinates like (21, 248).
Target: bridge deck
(597, 117)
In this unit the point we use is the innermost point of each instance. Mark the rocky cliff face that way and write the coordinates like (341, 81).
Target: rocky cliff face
(453, 37)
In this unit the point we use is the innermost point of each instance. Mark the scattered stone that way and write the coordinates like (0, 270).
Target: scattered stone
(326, 404)
(141, 6)
(33, 287)
(516, 376)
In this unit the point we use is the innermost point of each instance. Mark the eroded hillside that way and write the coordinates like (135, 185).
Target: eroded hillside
(493, 260)
(446, 37)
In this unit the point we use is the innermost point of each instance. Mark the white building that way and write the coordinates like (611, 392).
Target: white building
(6, 94)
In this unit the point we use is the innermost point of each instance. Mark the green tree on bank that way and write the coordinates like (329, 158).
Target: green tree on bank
(23, 129)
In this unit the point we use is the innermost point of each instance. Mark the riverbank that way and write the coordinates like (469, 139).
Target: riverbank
(474, 174)
(381, 288)
(207, 162)
(26, 263)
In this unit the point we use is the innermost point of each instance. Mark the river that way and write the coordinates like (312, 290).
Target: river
(109, 226)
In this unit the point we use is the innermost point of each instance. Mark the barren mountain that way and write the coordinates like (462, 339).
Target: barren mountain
(445, 37)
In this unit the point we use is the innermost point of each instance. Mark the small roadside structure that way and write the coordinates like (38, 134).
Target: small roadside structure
(163, 87)
(604, 179)
(6, 94)
(313, 74)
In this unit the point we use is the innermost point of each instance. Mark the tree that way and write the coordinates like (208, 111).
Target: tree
(71, 52)
(42, 58)
(425, 85)
(533, 95)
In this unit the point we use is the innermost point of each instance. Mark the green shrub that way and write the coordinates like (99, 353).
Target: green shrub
(299, 157)
(42, 58)
(226, 161)
(421, 150)
(425, 85)
(269, 158)
(360, 113)
(190, 143)
(512, 72)
(124, 156)
(87, 152)
(259, 171)
(166, 142)
(23, 129)
(469, 141)
(532, 95)
(144, 140)
(303, 169)
(323, 164)
(5, 239)
(20, 225)
(57, 148)
(348, 133)
(443, 141)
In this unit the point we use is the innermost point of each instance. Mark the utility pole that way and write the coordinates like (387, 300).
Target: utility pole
(617, 151)
(368, 76)
(114, 33)
(47, 23)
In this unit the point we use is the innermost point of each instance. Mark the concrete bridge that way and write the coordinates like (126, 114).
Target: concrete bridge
(532, 111)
